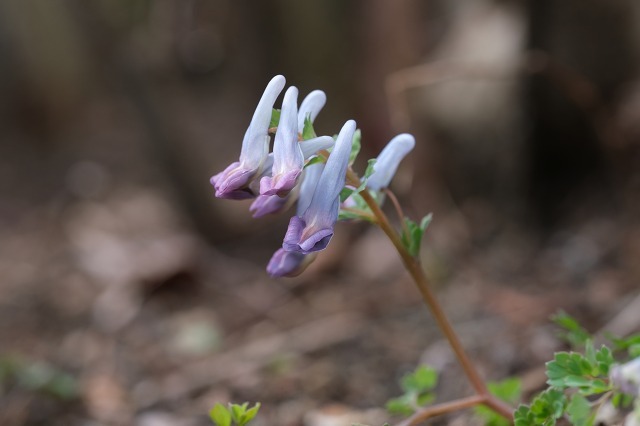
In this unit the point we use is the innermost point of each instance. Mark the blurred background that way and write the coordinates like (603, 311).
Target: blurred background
(129, 295)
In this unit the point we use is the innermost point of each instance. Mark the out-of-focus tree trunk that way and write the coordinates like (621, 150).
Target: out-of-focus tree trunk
(596, 42)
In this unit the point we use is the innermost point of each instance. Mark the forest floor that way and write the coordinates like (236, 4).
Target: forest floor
(116, 312)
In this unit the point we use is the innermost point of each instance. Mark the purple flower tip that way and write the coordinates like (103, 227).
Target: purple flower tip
(287, 263)
(231, 182)
(267, 204)
(303, 239)
(279, 185)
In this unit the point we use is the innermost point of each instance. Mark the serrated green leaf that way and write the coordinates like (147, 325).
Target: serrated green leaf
(567, 369)
(220, 415)
(572, 381)
(604, 360)
(307, 131)
(355, 147)
(523, 416)
(548, 406)
(275, 118)
(579, 411)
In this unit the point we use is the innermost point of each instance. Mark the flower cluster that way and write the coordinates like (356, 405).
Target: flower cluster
(276, 180)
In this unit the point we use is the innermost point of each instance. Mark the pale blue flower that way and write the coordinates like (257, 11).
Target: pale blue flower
(271, 204)
(313, 230)
(234, 180)
(288, 159)
(311, 107)
(291, 263)
(387, 162)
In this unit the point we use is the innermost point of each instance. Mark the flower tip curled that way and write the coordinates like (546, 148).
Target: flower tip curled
(288, 159)
(233, 182)
(311, 107)
(281, 184)
(388, 161)
(313, 230)
(288, 263)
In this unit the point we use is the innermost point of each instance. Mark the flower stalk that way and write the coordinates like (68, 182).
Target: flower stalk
(414, 267)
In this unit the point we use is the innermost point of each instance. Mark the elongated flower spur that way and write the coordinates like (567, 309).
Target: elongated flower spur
(314, 228)
(291, 173)
(233, 181)
(388, 161)
(288, 159)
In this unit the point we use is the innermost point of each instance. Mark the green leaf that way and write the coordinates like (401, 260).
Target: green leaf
(220, 415)
(604, 360)
(370, 169)
(634, 350)
(249, 415)
(573, 333)
(355, 147)
(412, 237)
(348, 191)
(361, 211)
(275, 118)
(425, 398)
(345, 193)
(401, 406)
(630, 344)
(579, 411)
(237, 411)
(508, 391)
(622, 400)
(548, 406)
(567, 370)
(523, 416)
(421, 380)
(307, 131)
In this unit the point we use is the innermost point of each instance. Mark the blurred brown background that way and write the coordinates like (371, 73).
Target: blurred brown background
(129, 295)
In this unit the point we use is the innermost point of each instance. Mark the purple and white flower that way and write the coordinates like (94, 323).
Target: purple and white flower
(312, 230)
(233, 181)
(288, 159)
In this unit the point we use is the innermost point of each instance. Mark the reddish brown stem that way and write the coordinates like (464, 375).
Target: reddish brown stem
(440, 409)
(413, 266)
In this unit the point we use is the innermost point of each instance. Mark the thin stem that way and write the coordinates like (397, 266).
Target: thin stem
(444, 408)
(399, 211)
(414, 268)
